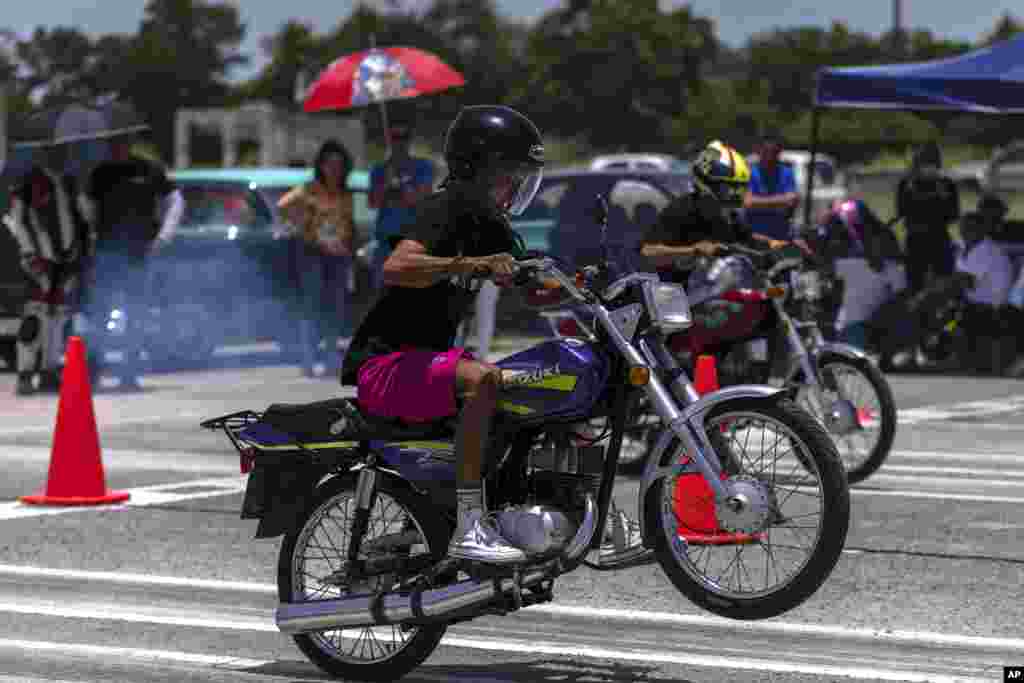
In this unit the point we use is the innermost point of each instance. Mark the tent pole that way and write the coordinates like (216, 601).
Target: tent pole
(809, 202)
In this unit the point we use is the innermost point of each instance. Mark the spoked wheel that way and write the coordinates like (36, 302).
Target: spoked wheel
(772, 546)
(312, 566)
(861, 412)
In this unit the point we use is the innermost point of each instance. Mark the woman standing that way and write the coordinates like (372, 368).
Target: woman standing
(322, 212)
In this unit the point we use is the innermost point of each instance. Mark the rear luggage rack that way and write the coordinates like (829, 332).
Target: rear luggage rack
(232, 424)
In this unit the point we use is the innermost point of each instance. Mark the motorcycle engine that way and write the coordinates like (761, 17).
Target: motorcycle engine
(561, 471)
(536, 529)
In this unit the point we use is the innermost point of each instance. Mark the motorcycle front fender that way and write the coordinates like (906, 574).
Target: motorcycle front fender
(840, 349)
(654, 471)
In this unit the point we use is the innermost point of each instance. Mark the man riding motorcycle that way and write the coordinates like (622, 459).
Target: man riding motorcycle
(698, 223)
(402, 357)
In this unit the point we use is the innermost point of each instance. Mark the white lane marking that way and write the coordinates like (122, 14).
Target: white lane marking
(101, 423)
(489, 644)
(982, 408)
(937, 495)
(998, 483)
(190, 462)
(978, 471)
(159, 494)
(959, 456)
(744, 663)
(218, 661)
(580, 611)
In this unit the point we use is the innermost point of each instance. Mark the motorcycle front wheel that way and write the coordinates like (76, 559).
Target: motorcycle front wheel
(312, 562)
(796, 517)
(864, 425)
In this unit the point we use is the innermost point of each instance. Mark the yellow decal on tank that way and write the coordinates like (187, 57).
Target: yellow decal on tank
(514, 408)
(302, 446)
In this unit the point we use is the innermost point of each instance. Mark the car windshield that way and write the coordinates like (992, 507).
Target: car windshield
(220, 206)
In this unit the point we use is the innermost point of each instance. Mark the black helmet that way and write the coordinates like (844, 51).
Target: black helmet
(487, 141)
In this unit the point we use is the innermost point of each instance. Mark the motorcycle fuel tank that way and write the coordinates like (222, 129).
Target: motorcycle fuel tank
(561, 378)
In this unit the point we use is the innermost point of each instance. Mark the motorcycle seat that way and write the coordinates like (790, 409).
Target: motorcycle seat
(341, 419)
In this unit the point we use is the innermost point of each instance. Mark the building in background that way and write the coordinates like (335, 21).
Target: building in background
(281, 135)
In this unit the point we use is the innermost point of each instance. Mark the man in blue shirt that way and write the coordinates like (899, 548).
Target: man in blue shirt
(773, 198)
(396, 185)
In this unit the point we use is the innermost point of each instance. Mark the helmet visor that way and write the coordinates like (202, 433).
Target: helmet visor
(526, 184)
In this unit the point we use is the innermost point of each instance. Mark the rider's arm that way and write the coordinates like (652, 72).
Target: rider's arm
(784, 200)
(666, 239)
(787, 197)
(664, 255)
(409, 265)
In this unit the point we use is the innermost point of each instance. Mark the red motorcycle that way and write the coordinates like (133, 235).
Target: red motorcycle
(755, 313)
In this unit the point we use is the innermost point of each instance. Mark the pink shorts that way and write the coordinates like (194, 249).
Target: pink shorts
(413, 386)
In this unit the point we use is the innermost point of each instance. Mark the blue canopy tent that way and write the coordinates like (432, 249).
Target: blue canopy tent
(989, 81)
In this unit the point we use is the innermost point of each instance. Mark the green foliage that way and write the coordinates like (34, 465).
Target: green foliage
(597, 75)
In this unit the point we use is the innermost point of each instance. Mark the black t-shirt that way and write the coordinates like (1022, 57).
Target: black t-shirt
(682, 223)
(428, 317)
(127, 195)
(928, 203)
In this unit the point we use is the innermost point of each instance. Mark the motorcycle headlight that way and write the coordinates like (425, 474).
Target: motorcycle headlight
(807, 286)
(668, 306)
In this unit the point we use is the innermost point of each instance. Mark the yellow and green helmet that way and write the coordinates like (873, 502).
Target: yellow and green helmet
(723, 173)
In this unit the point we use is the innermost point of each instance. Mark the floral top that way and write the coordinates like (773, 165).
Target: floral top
(319, 216)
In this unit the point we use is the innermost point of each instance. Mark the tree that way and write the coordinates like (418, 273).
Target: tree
(55, 61)
(1006, 27)
(615, 72)
(293, 49)
(785, 61)
(181, 57)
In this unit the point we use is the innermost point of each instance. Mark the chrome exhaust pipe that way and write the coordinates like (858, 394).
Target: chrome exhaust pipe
(394, 608)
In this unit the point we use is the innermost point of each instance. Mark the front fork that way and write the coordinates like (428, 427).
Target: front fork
(799, 359)
(687, 427)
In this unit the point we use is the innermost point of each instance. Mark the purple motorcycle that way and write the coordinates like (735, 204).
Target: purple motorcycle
(366, 506)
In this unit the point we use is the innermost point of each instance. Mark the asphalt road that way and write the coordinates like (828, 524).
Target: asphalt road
(171, 586)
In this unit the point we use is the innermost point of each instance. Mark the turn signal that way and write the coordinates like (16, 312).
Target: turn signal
(775, 292)
(581, 279)
(639, 375)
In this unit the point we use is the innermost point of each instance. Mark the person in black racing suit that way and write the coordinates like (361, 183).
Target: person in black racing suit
(403, 358)
(700, 222)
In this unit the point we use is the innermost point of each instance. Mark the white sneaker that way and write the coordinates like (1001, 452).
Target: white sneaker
(478, 539)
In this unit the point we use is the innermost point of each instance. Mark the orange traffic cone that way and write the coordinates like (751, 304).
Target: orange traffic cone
(76, 470)
(693, 501)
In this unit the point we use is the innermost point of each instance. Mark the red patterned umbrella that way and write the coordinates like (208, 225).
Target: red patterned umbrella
(379, 75)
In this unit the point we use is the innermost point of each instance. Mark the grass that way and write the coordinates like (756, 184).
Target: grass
(883, 204)
(952, 155)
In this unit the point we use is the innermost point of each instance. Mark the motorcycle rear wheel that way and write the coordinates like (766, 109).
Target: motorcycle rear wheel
(396, 509)
(696, 568)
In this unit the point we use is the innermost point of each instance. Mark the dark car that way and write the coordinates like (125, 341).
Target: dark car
(559, 222)
(229, 275)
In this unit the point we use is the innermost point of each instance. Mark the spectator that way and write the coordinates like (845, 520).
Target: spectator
(772, 199)
(986, 262)
(989, 278)
(322, 212)
(871, 271)
(928, 202)
(134, 210)
(52, 241)
(396, 185)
